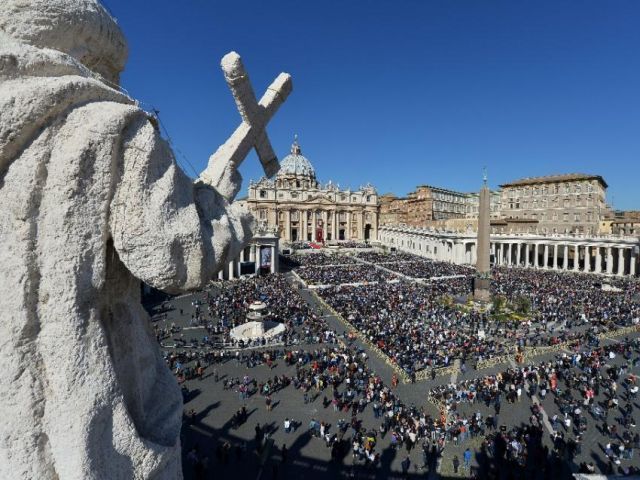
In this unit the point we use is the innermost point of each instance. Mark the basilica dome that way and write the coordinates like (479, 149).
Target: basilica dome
(296, 164)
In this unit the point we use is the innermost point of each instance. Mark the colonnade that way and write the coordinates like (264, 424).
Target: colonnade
(603, 257)
(252, 256)
(612, 255)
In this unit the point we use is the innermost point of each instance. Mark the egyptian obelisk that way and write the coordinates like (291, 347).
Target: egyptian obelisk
(482, 280)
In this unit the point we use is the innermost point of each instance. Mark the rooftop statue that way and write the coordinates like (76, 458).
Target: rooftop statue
(91, 203)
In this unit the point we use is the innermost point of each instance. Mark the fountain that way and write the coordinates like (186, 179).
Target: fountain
(257, 326)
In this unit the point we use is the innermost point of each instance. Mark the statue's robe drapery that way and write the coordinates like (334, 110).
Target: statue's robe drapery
(92, 202)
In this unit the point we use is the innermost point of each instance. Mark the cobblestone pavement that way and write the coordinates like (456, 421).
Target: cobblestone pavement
(308, 457)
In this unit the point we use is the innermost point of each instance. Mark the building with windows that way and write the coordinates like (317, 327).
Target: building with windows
(303, 209)
(432, 206)
(570, 203)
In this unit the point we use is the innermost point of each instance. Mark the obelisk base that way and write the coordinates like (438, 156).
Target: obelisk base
(481, 286)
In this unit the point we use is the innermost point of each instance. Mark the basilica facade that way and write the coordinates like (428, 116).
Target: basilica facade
(302, 209)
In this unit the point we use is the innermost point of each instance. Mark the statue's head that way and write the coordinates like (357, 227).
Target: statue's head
(80, 28)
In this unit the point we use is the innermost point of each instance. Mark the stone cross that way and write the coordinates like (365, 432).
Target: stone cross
(221, 171)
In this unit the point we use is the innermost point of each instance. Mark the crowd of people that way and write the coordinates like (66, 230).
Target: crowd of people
(360, 273)
(317, 260)
(593, 385)
(419, 326)
(226, 305)
(416, 329)
(428, 269)
(411, 324)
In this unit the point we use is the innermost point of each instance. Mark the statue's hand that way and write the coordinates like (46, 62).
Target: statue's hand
(224, 177)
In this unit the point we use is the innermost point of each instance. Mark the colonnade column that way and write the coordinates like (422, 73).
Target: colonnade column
(576, 257)
(587, 258)
(620, 261)
(555, 256)
(258, 258)
(239, 263)
(565, 260)
(545, 262)
(598, 268)
(221, 274)
(231, 268)
(518, 248)
(273, 259)
(632, 264)
(609, 261)
(535, 255)
(526, 254)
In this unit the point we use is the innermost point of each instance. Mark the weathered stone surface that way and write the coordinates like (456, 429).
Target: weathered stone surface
(91, 202)
(483, 268)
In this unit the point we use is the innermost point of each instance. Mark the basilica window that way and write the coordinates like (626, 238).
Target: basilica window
(298, 183)
(294, 216)
(294, 194)
(262, 214)
(263, 194)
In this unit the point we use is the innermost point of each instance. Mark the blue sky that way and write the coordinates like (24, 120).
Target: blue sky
(401, 93)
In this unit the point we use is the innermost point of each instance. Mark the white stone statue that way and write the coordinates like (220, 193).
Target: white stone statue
(92, 202)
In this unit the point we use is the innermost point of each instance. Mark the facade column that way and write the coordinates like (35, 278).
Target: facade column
(598, 268)
(334, 225)
(526, 255)
(632, 262)
(587, 258)
(499, 256)
(545, 262)
(347, 233)
(258, 259)
(325, 224)
(576, 257)
(252, 253)
(609, 261)
(535, 255)
(221, 274)
(555, 256)
(620, 261)
(518, 248)
(314, 219)
(287, 225)
(565, 260)
(360, 226)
